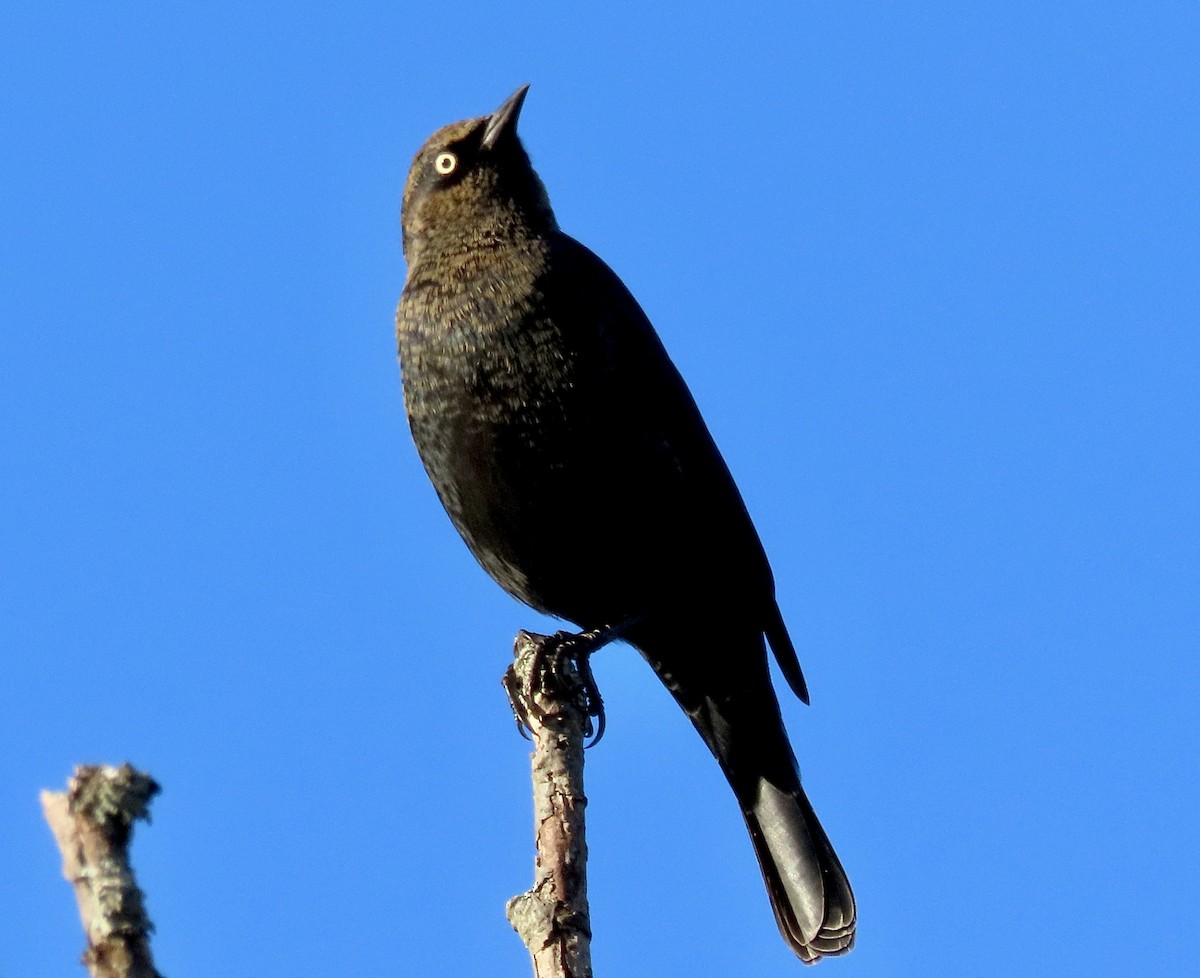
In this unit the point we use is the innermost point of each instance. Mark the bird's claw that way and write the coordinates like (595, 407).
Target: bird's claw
(552, 655)
(579, 647)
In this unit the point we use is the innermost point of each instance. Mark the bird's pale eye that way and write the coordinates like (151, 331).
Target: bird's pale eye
(446, 163)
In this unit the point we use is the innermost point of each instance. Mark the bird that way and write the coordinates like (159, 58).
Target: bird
(572, 459)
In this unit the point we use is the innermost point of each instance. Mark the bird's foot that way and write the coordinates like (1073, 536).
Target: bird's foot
(579, 648)
(562, 661)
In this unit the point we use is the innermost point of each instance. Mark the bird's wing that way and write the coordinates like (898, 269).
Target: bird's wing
(663, 437)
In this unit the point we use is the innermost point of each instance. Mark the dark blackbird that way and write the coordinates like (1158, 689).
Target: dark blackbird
(571, 457)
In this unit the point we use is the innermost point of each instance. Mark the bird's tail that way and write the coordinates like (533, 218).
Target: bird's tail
(810, 894)
(736, 712)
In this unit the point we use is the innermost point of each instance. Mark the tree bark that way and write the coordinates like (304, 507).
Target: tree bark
(550, 700)
(92, 823)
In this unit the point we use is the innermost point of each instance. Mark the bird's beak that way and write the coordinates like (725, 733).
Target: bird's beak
(504, 120)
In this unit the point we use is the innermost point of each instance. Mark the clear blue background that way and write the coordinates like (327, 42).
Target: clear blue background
(931, 271)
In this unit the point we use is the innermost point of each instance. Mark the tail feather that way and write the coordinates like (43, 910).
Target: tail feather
(810, 894)
(733, 707)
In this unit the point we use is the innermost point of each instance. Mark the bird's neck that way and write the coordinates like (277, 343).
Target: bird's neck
(471, 243)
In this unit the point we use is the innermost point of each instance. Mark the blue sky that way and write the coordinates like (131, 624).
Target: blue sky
(931, 272)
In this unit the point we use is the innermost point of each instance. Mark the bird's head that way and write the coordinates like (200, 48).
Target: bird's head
(472, 183)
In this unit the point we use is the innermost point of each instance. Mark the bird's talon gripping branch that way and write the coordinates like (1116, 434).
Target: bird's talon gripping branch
(592, 692)
(522, 726)
(584, 645)
(562, 661)
(520, 698)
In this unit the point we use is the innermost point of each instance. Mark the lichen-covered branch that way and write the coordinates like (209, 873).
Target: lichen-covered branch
(92, 823)
(551, 701)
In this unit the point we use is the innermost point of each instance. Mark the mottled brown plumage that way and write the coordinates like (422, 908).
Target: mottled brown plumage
(573, 461)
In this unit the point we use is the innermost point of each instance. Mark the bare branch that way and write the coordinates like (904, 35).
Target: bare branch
(551, 701)
(92, 823)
